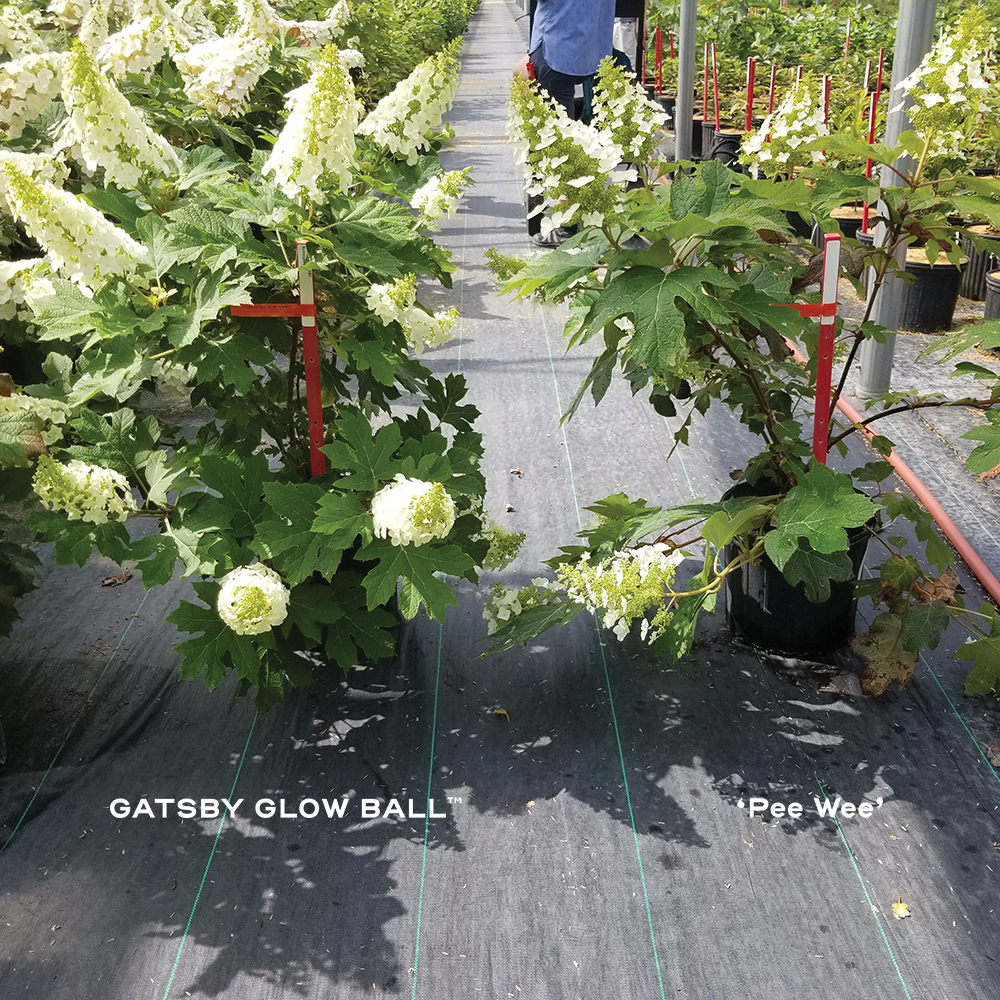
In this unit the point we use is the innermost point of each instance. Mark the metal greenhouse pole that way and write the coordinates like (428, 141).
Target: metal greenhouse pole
(914, 37)
(684, 108)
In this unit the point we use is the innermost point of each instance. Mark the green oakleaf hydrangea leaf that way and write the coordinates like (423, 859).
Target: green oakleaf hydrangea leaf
(20, 437)
(531, 623)
(986, 456)
(818, 508)
(367, 457)
(984, 677)
(924, 624)
(815, 570)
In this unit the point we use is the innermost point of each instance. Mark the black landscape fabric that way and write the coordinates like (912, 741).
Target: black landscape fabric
(571, 820)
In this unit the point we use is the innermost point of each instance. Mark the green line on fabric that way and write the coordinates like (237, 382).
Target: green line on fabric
(864, 888)
(72, 728)
(958, 715)
(211, 855)
(607, 679)
(427, 815)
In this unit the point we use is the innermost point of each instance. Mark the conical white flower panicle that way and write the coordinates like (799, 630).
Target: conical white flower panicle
(401, 120)
(576, 168)
(220, 73)
(78, 240)
(440, 195)
(252, 599)
(137, 48)
(17, 36)
(37, 166)
(258, 18)
(315, 149)
(622, 108)
(776, 146)
(27, 85)
(111, 133)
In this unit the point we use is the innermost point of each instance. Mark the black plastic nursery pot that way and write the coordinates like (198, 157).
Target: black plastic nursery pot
(973, 284)
(726, 145)
(992, 306)
(762, 607)
(929, 302)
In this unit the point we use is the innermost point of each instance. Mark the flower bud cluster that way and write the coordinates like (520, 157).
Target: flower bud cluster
(505, 603)
(576, 169)
(625, 587)
(111, 133)
(398, 303)
(440, 195)
(78, 240)
(622, 109)
(51, 412)
(412, 512)
(776, 147)
(401, 121)
(314, 153)
(27, 85)
(252, 599)
(83, 492)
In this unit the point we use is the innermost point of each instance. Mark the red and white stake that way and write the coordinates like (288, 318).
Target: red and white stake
(715, 86)
(704, 96)
(751, 73)
(772, 89)
(824, 357)
(826, 100)
(872, 119)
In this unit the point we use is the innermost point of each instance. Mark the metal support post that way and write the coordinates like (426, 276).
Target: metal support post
(914, 37)
(684, 108)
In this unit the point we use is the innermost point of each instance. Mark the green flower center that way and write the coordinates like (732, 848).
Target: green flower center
(252, 605)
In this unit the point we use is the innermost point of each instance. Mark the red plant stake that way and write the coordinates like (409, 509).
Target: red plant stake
(881, 63)
(310, 351)
(704, 97)
(659, 60)
(771, 90)
(670, 35)
(826, 100)
(872, 118)
(826, 310)
(751, 73)
(715, 86)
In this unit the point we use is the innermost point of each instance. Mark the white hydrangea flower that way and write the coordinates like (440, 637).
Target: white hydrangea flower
(320, 32)
(220, 73)
(397, 303)
(27, 85)
(13, 293)
(111, 132)
(195, 25)
(69, 13)
(401, 121)
(625, 587)
(83, 492)
(52, 412)
(252, 599)
(78, 240)
(17, 36)
(797, 121)
(38, 166)
(137, 48)
(172, 375)
(314, 153)
(440, 195)
(412, 512)
(258, 18)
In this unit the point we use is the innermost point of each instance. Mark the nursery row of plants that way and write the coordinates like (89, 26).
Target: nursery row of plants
(171, 177)
(688, 285)
(159, 165)
(850, 43)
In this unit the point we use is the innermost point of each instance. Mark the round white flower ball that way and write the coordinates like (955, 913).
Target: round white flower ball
(411, 512)
(252, 599)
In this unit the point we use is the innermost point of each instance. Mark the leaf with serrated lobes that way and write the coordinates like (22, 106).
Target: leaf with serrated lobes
(294, 542)
(985, 457)
(359, 633)
(816, 570)
(924, 624)
(227, 360)
(522, 628)
(367, 457)
(818, 508)
(414, 566)
(310, 609)
(241, 483)
(20, 437)
(984, 678)
(218, 647)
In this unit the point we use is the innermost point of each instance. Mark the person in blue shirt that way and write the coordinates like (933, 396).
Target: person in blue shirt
(569, 38)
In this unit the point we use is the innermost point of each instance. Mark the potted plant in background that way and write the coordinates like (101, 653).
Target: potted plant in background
(691, 313)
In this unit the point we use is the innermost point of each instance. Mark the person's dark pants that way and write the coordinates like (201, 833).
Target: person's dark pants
(562, 89)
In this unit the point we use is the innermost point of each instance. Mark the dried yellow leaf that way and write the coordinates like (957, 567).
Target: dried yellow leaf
(900, 910)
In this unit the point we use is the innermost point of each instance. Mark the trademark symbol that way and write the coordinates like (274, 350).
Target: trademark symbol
(454, 800)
